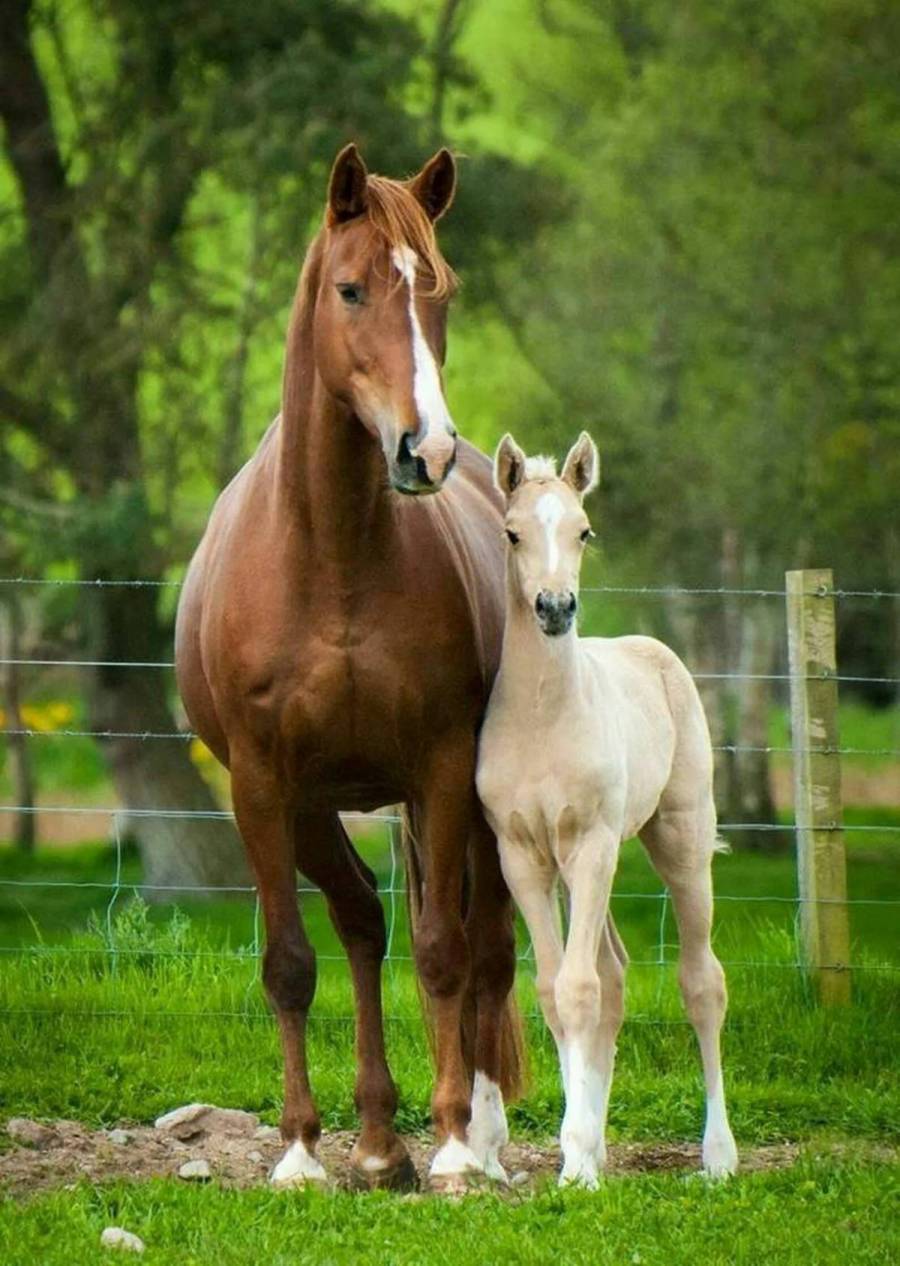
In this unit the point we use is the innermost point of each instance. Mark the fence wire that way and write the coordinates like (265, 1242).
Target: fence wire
(117, 886)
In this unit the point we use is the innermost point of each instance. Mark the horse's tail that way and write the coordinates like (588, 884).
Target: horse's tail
(512, 1038)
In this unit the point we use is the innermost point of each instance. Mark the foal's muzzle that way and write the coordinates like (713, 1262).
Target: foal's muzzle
(555, 611)
(409, 472)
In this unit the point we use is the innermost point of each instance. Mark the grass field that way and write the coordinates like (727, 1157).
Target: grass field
(112, 1011)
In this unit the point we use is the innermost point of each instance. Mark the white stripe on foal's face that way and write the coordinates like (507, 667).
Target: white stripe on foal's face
(427, 391)
(549, 511)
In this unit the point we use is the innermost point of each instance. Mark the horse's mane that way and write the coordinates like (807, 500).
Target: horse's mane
(396, 213)
(540, 468)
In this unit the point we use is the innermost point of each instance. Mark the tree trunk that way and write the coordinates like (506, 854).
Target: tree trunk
(156, 774)
(25, 823)
(751, 798)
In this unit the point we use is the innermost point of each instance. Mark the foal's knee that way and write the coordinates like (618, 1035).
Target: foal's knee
(578, 1001)
(362, 924)
(702, 983)
(289, 975)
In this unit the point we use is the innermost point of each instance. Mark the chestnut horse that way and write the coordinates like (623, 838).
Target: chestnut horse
(336, 645)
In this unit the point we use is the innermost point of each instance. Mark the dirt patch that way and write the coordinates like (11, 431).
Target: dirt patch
(241, 1153)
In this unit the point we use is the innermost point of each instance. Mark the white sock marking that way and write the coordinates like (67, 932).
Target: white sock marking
(719, 1149)
(297, 1166)
(427, 391)
(549, 510)
(488, 1131)
(455, 1157)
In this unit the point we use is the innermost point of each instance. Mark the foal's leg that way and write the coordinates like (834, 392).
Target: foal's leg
(491, 936)
(327, 857)
(289, 963)
(611, 963)
(532, 881)
(588, 1051)
(681, 844)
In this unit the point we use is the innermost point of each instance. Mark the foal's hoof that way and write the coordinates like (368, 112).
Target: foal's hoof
(399, 1176)
(297, 1168)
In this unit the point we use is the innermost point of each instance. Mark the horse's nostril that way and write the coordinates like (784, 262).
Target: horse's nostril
(571, 604)
(404, 453)
(540, 604)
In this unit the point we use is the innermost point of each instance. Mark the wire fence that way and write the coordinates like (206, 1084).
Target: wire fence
(393, 890)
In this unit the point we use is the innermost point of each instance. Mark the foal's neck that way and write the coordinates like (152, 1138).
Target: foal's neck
(539, 673)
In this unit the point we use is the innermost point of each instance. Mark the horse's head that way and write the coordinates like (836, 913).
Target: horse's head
(381, 313)
(546, 527)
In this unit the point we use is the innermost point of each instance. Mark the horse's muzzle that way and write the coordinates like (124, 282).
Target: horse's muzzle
(410, 474)
(555, 612)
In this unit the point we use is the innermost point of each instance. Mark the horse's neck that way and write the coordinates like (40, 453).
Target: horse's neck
(541, 675)
(330, 471)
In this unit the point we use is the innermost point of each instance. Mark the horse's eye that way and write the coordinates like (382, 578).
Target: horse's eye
(512, 537)
(350, 292)
(586, 534)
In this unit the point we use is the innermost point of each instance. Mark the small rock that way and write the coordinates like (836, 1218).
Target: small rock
(31, 1133)
(195, 1171)
(118, 1237)
(267, 1133)
(196, 1120)
(255, 1157)
(521, 1176)
(120, 1137)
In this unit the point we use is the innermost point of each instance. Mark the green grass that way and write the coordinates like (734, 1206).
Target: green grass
(817, 1211)
(146, 1010)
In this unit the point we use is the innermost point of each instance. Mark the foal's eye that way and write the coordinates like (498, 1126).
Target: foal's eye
(350, 292)
(586, 535)
(512, 537)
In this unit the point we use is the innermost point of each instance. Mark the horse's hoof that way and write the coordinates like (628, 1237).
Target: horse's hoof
(720, 1158)
(399, 1177)
(455, 1169)
(297, 1168)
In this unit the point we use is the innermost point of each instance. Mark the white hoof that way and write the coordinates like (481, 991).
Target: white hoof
(297, 1167)
(580, 1170)
(720, 1156)
(453, 1159)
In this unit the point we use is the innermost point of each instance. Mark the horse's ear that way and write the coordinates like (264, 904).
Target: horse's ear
(582, 467)
(435, 184)
(509, 466)
(347, 197)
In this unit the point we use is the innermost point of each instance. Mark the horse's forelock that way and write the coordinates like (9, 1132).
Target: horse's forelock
(399, 217)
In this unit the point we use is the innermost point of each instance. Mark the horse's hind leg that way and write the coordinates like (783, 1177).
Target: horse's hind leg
(327, 857)
(491, 936)
(681, 842)
(289, 963)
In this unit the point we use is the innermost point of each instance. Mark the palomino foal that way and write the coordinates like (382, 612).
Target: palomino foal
(586, 742)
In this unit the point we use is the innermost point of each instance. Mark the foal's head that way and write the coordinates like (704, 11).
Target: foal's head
(546, 527)
(381, 312)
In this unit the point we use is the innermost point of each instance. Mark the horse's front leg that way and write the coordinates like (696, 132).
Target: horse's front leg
(442, 813)
(498, 1039)
(326, 855)
(289, 962)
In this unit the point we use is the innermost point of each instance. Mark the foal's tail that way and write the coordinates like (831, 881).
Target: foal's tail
(512, 1038)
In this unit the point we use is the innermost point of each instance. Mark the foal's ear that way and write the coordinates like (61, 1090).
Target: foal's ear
(509, 466)
(347, 197)
(435, 184)
(582, 467)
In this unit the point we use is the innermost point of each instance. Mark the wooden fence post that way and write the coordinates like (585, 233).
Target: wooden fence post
(821, 860)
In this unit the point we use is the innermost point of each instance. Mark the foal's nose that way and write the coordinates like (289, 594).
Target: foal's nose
(555, 611)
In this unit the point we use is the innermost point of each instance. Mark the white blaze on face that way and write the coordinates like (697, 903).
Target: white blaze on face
(434, 418)
(549, 511)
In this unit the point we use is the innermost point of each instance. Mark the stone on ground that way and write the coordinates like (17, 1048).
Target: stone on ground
(195, 1171)
(118, 1237)
(197, 1120)
(31, 1133)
